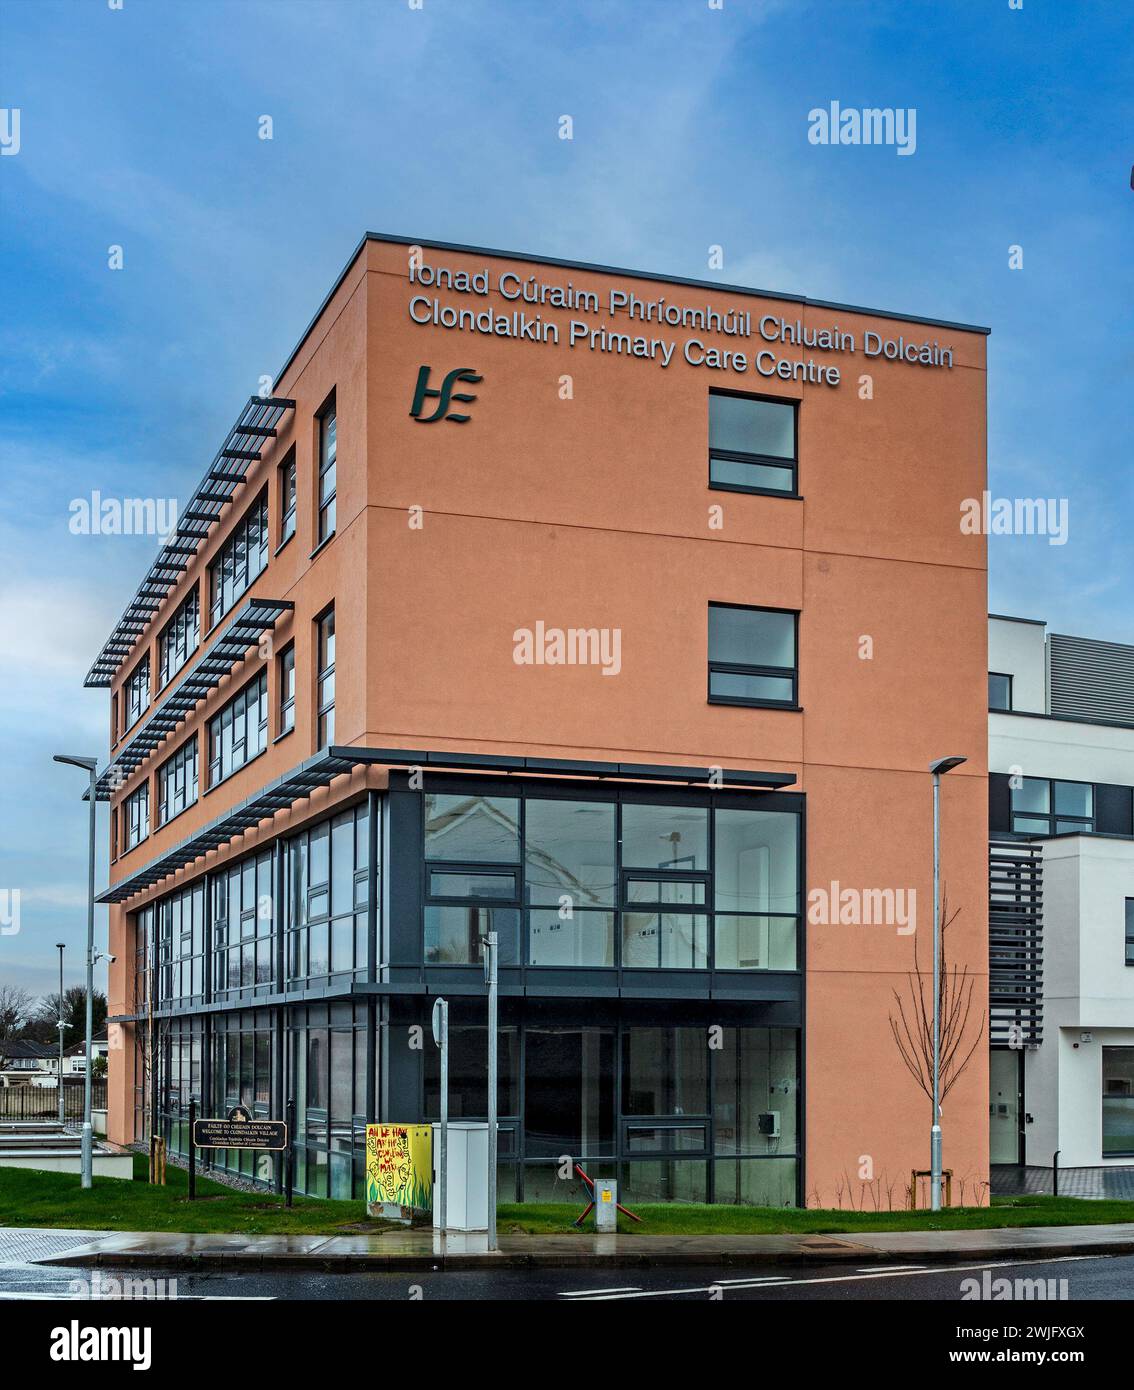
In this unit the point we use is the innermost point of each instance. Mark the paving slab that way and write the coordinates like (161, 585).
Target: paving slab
(425, 1249)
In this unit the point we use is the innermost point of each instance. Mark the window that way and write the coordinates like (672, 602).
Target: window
(177, 782)
(1130, 931)
(243, 922)
(752, 656)
(240, 731)
(325, 680)
(1117, 1101)
(612, 883)
(138, 816)
(240, 561)
(472, 829)
(751, 444)
(137, 691)
(327, 876)
(180, 926)
(178, 639)
(114, 718)
(286, 671)
(999, 691)
(1041, 806)
(287, 498)
(328, 432)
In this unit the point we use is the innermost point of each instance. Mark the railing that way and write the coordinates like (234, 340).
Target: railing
(42, 1103)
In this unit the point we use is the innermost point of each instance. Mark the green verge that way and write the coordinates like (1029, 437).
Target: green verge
(30, 1198)
(691, 1220)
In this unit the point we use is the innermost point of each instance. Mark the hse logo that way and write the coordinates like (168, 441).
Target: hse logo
(444, 396)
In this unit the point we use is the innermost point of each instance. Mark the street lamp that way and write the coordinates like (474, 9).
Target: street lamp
(492, 980)
(90, 766)
(938, 768)
(59, 947)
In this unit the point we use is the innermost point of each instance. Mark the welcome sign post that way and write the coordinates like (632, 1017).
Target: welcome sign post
(238, 1130)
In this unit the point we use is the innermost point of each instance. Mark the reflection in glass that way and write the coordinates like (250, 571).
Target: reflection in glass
(452, 934)
(756, 861)
(569, 851)
(664, 940)
(748, 942)
(665, 837)
(585, 938)
(473, 829)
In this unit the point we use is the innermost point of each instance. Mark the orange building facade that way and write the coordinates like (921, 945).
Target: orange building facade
(619, 615)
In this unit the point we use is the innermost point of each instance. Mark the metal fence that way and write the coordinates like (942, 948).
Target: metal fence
(39, 1103)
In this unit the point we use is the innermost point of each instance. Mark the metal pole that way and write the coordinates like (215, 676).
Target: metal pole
(192, 1149)
(88, 1135)
(289, 1185)
(935, 1131)
(491, 973)
(62, 1117)
(443, 1155)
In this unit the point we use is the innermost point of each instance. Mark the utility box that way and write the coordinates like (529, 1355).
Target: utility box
(467, 1176)
(606, 1205)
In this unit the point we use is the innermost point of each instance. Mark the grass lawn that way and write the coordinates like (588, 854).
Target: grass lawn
(677, 1219)
(29, 1198)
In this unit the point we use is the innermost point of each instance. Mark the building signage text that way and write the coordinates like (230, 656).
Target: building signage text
(636, 326)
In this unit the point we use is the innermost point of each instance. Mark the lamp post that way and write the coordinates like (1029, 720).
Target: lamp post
(491, 979)
(90, 766)
(938, 768)
(62, 1118)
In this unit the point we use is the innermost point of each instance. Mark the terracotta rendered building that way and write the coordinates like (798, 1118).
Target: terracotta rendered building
(622, 615)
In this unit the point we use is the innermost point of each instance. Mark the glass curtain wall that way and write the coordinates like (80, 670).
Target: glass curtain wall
(573, 882)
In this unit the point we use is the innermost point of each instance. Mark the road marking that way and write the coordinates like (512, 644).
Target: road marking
(593, 1293)
(888, 1269)
(181, 1298)
(756, 1279)
(769, 1281)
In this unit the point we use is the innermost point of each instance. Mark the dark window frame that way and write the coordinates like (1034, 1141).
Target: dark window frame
(137, 687)
(1085, 824)
(327, 506)
(1117, 1095)
(1130, 932)
(790, 466)
(288, 487)
(217, 721)
(784, 803)
(225, 556)
(285, 703)
(323, 709)
(1001, 709)
(137, 814)
(747, 669)
(176, 767)
(181, 635)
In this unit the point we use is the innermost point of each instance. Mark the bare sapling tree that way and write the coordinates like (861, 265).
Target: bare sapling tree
(913, 1025)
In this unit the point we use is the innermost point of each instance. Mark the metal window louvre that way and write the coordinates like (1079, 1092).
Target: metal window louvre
(247, 437)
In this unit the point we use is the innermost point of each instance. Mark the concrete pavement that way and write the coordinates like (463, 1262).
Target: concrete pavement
(424, 1250)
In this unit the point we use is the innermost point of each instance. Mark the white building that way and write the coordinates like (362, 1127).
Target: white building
(74, 1059)
(28, 1064)
(1061, 821)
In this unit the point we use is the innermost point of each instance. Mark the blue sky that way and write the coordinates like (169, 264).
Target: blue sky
(139, 128)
